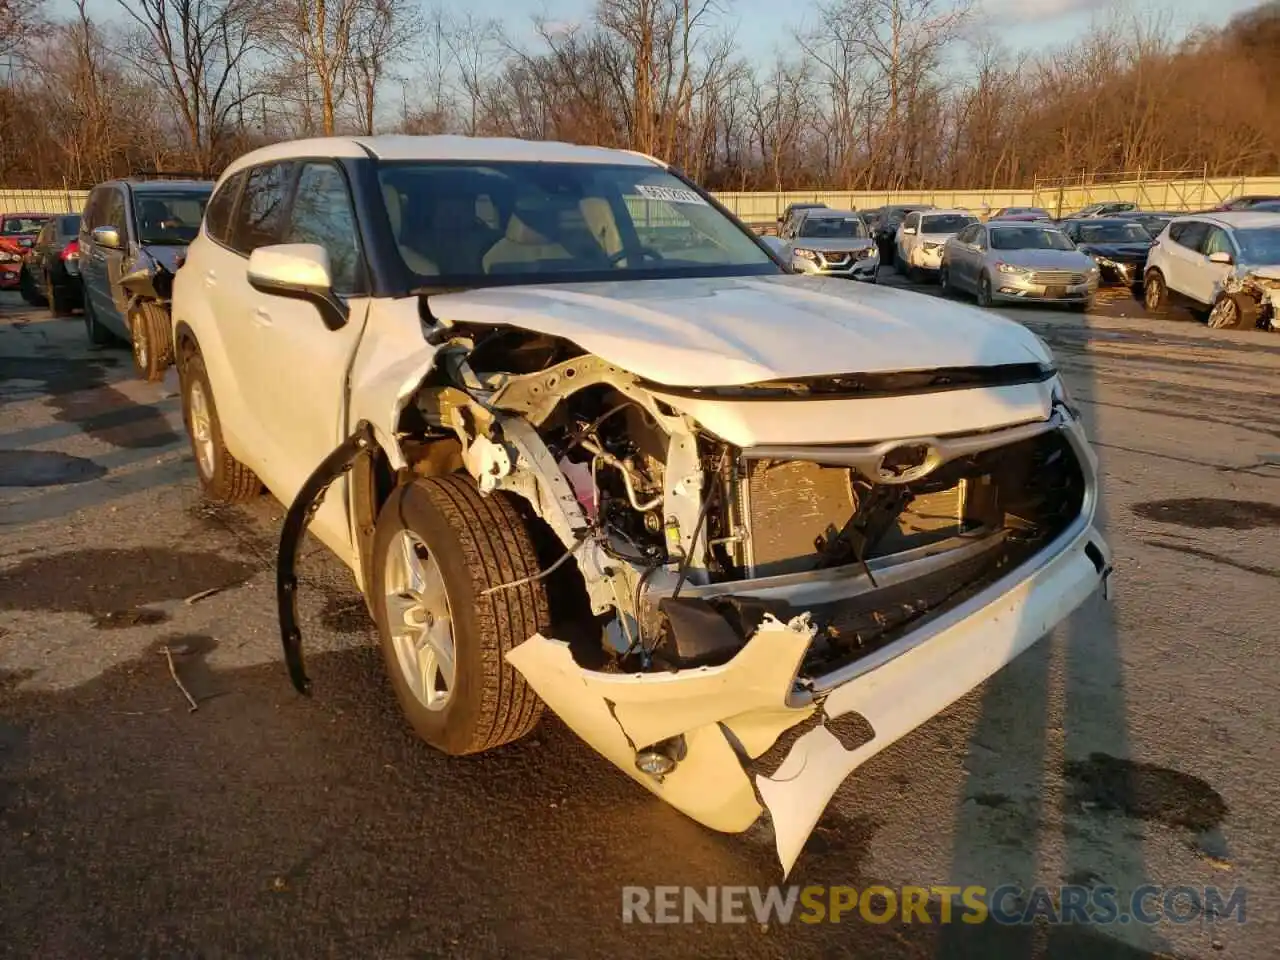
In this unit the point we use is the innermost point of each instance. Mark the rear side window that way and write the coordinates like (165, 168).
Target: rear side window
(260, 217)
(1190, 234)
(217, 216)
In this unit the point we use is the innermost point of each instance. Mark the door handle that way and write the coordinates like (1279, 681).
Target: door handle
(262, 317)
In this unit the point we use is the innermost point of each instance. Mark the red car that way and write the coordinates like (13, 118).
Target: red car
(17, 235)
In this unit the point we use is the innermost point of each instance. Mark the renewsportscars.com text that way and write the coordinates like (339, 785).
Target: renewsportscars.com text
(1008, 904)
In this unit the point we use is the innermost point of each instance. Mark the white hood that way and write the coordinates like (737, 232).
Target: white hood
(738, 330)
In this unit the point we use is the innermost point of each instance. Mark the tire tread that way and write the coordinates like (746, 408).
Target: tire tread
(497, 549)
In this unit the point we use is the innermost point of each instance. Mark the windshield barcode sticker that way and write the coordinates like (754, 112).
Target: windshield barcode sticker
(669, 194)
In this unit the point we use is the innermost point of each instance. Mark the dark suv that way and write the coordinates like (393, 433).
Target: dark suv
(127, 225)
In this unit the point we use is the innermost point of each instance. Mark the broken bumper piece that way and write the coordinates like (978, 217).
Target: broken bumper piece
(734, 718)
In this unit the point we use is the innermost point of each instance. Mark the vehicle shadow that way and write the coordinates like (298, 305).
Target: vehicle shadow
(140, 827)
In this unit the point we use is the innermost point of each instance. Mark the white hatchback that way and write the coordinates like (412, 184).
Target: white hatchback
(1225, 263)
(589, 444)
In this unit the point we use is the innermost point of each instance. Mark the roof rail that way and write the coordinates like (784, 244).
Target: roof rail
(169, 175)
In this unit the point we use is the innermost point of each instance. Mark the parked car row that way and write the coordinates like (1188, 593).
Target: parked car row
(115, 260)
(1224, 266)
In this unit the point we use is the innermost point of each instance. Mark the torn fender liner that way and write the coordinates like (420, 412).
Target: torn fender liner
(618, 713)
(303, 508)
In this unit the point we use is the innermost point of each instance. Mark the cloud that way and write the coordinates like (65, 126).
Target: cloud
(1038, 11)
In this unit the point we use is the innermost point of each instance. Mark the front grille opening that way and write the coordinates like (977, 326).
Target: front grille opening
(803, 517)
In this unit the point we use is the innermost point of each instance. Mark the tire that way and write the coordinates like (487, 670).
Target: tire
(944, 280)
(152, 340)
(59, 303)
(1233, 311)
(469, 543)
(984, 291)
(222, 477)
(27, 287)
(98, 334)
(1155, 295)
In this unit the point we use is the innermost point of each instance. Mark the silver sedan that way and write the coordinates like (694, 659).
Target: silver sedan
(1011, 261)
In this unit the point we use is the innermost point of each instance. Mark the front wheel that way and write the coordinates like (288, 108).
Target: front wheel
(944, 280)
(222, 476)
(152, 340)
(438, 548)
(1233, 312)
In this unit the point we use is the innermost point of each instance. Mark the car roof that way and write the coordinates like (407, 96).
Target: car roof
(1093, 221)
(1238, 219)
(159, 186)
(447, 147)
(950, 213)
(1021, 224)
(829, 214)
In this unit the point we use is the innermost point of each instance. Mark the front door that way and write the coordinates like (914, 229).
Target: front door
(299, 366)
(1209, 275)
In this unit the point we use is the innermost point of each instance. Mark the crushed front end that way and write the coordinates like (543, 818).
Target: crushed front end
(761, 587)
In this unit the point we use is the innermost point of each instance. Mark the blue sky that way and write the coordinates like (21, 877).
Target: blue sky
(761, 25)
(1023, 24)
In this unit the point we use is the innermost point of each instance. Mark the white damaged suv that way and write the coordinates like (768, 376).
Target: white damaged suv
(589, 444)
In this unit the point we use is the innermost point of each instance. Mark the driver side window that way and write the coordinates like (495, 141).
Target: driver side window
(1217, 242)
(322, 214)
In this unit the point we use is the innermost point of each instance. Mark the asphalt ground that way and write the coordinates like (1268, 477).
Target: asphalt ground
(1136, 744)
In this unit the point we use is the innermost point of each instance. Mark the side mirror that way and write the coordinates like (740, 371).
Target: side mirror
(775, 245)
(108, 237)
(299, 271)
(909, 231)
(1220, 257)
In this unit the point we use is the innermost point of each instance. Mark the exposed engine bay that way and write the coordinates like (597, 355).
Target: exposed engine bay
(684, 543)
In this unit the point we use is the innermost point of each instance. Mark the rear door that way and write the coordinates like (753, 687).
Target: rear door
(1184, 257)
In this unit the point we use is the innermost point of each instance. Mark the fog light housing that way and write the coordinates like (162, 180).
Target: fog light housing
(661, 758)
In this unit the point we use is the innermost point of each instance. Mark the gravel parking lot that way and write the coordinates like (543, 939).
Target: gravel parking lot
(1140, 743)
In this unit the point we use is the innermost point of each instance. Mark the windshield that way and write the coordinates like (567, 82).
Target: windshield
(1259, 245)
(1029, 238)
(952, 223)
(833, 227)
(22, 226)
(1113, 233)
(169, 218)
(483, 224)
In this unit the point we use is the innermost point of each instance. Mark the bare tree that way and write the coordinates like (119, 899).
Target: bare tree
(382, 30)
(194, 51)
(17, 17)
(314, 42)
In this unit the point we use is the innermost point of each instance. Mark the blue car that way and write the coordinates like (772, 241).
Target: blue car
(127, 226)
